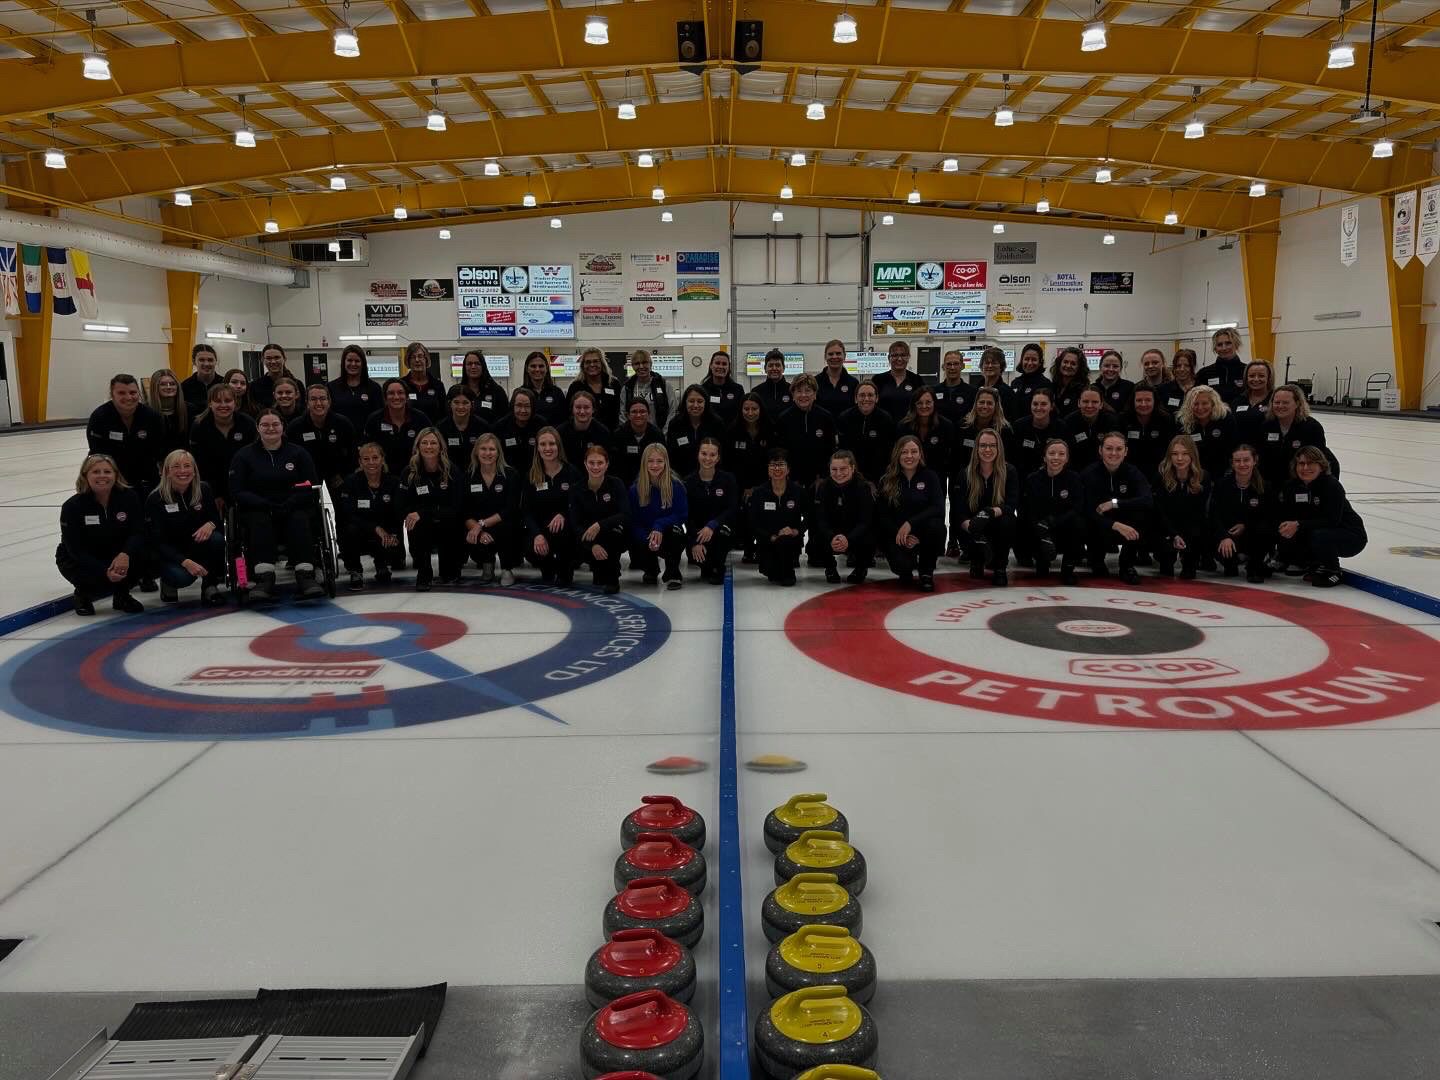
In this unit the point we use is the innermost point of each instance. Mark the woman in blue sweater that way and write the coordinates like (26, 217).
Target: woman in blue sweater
(658, 514)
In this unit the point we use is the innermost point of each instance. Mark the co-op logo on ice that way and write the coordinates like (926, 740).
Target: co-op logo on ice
(360, 664)
(1208, 656)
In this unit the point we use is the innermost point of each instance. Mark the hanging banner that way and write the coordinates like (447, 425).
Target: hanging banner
(85, 297)
(61, 302)
(1402, 229)
(30, 259)
(1350, 234)
(9, 284)
(1427, 240)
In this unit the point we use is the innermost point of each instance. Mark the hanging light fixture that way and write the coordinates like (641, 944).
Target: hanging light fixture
(333, 247)
(492, 168)
(1172, 218)
(626, 109)
(401, 213)
(786, 191)
(54, 156)
(887, 219)
(950, 165)
(666, 217)
(1257, 189)
(1108, 239)
(645, 160)
(1195, 129)
(1092, 38)
(528, 200)
(556, 223)
(846, 32)
(797, 159)
(244, 136)
(337, 183)
(1042, 205)
(347, 42)
(1382, 148)
(816, 109)
(182, 198)
(271, 225)
(776, 215)
(96, 64)
(435, 119)
(914, 196)
(1368, 113)
(998, 228)
(657, 193)
(1342, 53)
(1102, 175)
(597, 29)
(444, 234)
(1004, 115)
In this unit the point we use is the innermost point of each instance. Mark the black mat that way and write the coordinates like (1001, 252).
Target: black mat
(369, 1013)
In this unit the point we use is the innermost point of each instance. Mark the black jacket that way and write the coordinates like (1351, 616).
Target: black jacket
(954, 402)
(965, 438)
(609, 507)
(1009, 404)
(895, 397)
(460, 444)
(1117, 395)
(575, 441)
(1170, 396)
(503, 495)
(432, 495)
(713, 503)
(550, 404)
(960, 496)
(626, 448)
(1058, 500)
(137, 449)
(1024, 387)
(835, 398)
(769, 513)
(847, 511)
(1126, 484)
(197, 393)
(1216, 441)
(541, 502)
(428, 399)
(747, 456)
(488, 402)
(364, 509)
(1030, 443)
(1147, 442)
(213, 452)
(1230, 506)
(659, 398)
(682, 441)
(938, 443)
(175, 437)
(263, 479)
(919, 500)
(774, 395)
(355, 403)
(1067, 397)
(723, 398)
(1277, 448)
(1321, 505)
(1226, 376)
(93, 535)
(1084, 438)
(808, 436)
(870, 438)
(331, 447)
(517, 441)
(1182, 512)
(396, 440)
(169, 527)
(607, 398)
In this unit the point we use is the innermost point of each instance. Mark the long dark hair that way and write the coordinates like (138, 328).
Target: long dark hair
(487, 381)
(681, 419)
(1082, 369)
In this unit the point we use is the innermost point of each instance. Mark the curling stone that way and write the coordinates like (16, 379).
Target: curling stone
(664, 814)
(656, 903)
(800, 813)
(821, 956)
(822, 849)
(812, 1027)
(636, 960)
(662, 855)
(647, 1032)
(809, 899)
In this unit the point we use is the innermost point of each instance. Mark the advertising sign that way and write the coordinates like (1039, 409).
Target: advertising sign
(1062, 282)
(535, 301)
(387, 290)
(755, 363)
(1115, 282)
(697, 262)
(386, 314)
(928, 297)
(432, 289)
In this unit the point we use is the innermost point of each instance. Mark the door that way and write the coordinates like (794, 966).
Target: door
(9, 384)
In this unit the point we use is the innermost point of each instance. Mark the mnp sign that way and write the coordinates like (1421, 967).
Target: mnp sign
(893, 275)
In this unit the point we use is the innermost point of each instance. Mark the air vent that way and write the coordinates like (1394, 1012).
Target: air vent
(354, 251)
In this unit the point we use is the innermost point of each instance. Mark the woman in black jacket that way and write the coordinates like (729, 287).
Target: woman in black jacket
(1242, 514)
(713, 499)
(461, 428)
(372, 516)
(1035, 430)
(1182, 510)
(779, 512)
(548, 539)
(649, 387)
(1029, 378)
(844, 521)
(427, 395)
(1119, 508)
(216, 436)
(1070, 374)
(983, 503)
(937, 435)
(1148, 432)
(355, 395)
(1086, 426)
(275, 366)
(490, 494)
(518, 429)
(1318, 526)
(600, 518)
(174, 411)
(432, 511)
(102, 540)
(1207, 420)
(723, 393)
(582, 428)
(185, 532)
(868, 432)
(326, 436)
(692, 424)
(748, 454)
(272, 482)
(395, 426)
(1053, 513)
(1280, 436)
(549, 402)
(486, 395)
(911, 514)
(596, 380)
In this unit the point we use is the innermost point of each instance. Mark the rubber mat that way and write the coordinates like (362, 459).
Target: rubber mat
(368, 1013)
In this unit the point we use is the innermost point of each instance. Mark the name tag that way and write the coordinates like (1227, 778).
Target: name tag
(605, 497)
(117, 436)
(1081, 436)
(487, 402)
(766, 506)
(1212, 382)
(1065, 494)
(632, 449)
(364, 397)
(307, 436)
(92, 519)
(1254, 502)
(610, 390)
(362, 504)
(1134, 434)
(1028, 442)
(683, 440)
(970, 442)
(719, 491)
(423, 489)
(476, 489)
(741, 445)
(172, 508)
(844, 389)
(453, 442)
(387, 427)
(538, 487)
(872, 433)
(412, 397)
(1273, 436)
(510, 442)
(714, 399)
(1173, 402)
(920, 486)
(907, 386)
(1124, 488)
(789, 504)
(1302, 497)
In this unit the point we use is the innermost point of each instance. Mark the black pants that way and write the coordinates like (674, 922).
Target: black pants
(1066, 533)
(1102, 537)
(561, 559)
(1254, 544)
(265, 529)
(672, 547)
(208, 553)
(859, 555)
(502, 548)
(606, 569)
(442, 533)
(716, 552)
(87, 573)
(1196, 547)
(777, 557)
(358, 540)
(920, 558)
(998, 531)
(1321, 547)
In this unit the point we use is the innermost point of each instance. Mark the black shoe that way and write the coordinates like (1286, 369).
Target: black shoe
(1045, 550)
(1067, 576)
(83, 604)
(856, 577)
(1326, 578)
(1187, 572)
(382, 578)
(1295, 571)
(1000, 578)
(212, 596)
(832, 575)
(1166, 569)
(1232, 568)
(306, 585)
(169, 594)
(674, 583)
(1042, 568)
(262, 588)
(1255, 577)
(148, 584)
(749, 556)
(927, 583)
(1129, 576)
(547, 577)
(123, 601)
(649, 577)
(905, 578)
(357, 581)
(1026, 561)
(424, 580)
(611, 588)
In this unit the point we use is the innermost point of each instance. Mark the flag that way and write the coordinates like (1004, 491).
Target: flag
(9, 287)
(61, 300)
(30, 257)
(85, 298)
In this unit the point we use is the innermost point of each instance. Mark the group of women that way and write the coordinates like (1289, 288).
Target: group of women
(1208, 468)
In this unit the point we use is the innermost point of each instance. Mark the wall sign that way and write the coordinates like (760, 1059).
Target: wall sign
(1402, 229)
(1016, 253)
(1115, 282)
(386, 314)
(927, 298)
(1062, 282)
(387, 290)
(530, 301)
(1350, 234)
(432, 289)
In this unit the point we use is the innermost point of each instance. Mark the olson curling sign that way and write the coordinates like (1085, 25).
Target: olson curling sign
(1177, 655)
(359, 664)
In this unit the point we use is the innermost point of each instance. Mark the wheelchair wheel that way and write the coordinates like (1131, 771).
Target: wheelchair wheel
(329, 543)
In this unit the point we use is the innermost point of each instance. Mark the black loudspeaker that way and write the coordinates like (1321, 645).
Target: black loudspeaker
(927, 361)
(690, 41)
(749, 40)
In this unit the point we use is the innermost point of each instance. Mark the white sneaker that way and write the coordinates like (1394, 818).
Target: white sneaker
(506, 578)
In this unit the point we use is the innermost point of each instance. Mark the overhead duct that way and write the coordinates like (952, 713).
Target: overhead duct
(57, 232)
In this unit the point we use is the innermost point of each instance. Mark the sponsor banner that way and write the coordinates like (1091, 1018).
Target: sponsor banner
(893, 275)
(1012, 283)
(601, 263)
(565, 330)
(484, 301)
(551, 279)
(965, 275)
(1062, 282)
(1015, 253)
(1114, 282)
(592, 315)
(1427, 240)
(473, 330)
(901, 297)
(650, 318)
(697, 288)
(515, 279)
(900, 329)
(516, 301)
(545, 300)
(486, 278)
(866, 362)
(386, 314)
(388, 290)
(606, 290)
(651, 290)
(1008, 314)
(500, 318)
(1402, 231)
(432, 289)
(539, 316)
(930, 275)
(1350, 234)
(697, 262)
(794, 363)
(971, 324)
(651, 262)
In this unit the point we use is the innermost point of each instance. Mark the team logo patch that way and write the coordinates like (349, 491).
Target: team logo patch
(359, 664)
(1176, 656)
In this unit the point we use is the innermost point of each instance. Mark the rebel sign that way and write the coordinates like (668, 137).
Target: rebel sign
(964, 275)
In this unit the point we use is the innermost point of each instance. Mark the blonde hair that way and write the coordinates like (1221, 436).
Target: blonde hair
(413, 469)
(1196, 482)
(537, 469)
(1186, 416)
(999, 423)
(973, 480)
(666, 483)
(167, 490)
(645, 353)
(82, 485)
(485, 440)
(1233, 334)
(1302, 405)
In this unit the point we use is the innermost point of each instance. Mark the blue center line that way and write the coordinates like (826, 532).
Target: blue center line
(734, 1013)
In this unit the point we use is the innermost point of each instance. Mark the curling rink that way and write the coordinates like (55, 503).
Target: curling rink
(1181, 831)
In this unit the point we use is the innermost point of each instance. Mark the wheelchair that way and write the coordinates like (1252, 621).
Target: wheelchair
(321, 508)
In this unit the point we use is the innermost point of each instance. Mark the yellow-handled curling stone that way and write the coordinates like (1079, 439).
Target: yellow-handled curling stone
(799, 814)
